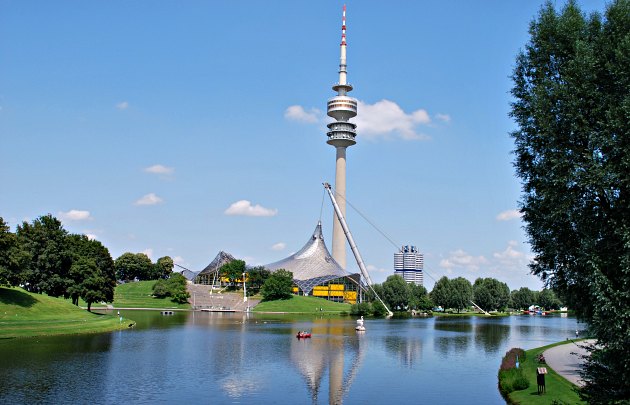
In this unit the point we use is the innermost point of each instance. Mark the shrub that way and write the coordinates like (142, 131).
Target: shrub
(510, 377)
(363, 308)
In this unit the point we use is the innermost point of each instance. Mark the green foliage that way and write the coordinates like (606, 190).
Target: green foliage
(92, 276)
(133, 266)
(396, 293)
(174, 287)
(491, 294)
(48, 258)
(139, 294)
(547, 299)
(278, 286)
(420, 299)
(233, 270)
(379, 309)
(512, 378)
(162, 268)
(11, 257)
(462, 293)
(442, 292)
(361, 309)
(572, 150)
(256, 277)
(522, 298)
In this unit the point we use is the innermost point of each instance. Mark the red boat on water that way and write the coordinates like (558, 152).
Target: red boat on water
(303, 335)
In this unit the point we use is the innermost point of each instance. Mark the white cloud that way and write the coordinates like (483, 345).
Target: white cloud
(510, 254)
(75, 215)
(298, 113)
(123, 105)
(509, 215)
(159, 169)
(149, 199)
(148, 252)
(373, 269)
(443, 117)
(461, 259)
(385, 119)
(245, 208)
(279, 246)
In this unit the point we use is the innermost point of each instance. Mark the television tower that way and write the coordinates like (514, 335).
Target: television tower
(341, 134)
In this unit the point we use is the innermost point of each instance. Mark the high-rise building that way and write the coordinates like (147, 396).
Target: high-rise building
(408, 264)
(341, 134)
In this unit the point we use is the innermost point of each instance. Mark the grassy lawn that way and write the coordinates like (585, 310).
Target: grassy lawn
(138, 295)
(299, 304)
(24, 314)
(558, 388)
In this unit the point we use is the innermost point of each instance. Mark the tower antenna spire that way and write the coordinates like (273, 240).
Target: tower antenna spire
(341, 134)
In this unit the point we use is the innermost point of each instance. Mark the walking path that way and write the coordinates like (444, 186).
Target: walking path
(566, 360)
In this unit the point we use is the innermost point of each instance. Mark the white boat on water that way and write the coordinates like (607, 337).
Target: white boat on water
(360, 327)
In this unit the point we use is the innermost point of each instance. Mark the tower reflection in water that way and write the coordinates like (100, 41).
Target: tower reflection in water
(335, 351)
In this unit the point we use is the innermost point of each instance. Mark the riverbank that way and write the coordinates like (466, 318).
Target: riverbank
(558, 389)
(302, 305)
(24, 314)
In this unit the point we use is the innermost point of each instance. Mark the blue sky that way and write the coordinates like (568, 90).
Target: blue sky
(186, 128)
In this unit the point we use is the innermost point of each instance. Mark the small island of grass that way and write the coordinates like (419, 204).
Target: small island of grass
(24, 314)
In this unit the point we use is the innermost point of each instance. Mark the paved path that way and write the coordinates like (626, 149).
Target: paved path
(566, 361)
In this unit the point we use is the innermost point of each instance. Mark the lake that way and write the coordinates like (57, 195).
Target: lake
(223, 358)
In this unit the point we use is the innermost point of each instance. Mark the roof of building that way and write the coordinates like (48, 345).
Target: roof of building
(220, 259)
(311, 265)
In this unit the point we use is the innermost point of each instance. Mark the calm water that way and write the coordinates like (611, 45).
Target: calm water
(233, 358)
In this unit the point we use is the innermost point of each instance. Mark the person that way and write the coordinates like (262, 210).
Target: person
(576, 333)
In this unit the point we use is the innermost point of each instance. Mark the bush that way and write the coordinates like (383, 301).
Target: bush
(361, 309)
(512, 378)
(174, 287)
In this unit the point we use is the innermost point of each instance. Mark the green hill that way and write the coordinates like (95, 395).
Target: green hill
(139, 295)
(300, 304)
(24, 314)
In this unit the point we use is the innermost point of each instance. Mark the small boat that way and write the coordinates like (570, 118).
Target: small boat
(303, 335)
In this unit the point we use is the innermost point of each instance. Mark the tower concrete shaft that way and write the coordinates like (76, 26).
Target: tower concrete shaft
(341, 134)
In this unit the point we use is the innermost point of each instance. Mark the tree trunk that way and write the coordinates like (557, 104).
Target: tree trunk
(89, 306)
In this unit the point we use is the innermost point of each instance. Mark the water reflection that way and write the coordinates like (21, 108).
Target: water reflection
(408, 350)
(490, 334)
(336, 350)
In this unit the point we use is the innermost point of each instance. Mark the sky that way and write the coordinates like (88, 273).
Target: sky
(187, 128)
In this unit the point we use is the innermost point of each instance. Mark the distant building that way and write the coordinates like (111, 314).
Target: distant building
(408, 264)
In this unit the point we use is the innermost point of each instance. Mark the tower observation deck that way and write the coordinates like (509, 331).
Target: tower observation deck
(341, 134)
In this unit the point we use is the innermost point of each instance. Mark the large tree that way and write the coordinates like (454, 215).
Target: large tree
(233, 270)
(162, 268)
(92, 275)
(48, 256)
(442, 293)
(130, 266)
(522, 298)
(396, 293)
(12, 258)
(278, 286)
(462, 293)
(491, 294)
(572, 149)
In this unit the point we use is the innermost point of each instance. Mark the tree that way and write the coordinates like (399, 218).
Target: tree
(442, 293)
(92, 276)
(522, 298)
(462, 293)
(419, 298)
(278, 286)
(162, 268)
(491, 294)
(130, 266)
(233, 270)
(548, 300)
(48, 258)
(12, 258)
(572, 153)
(256, 277)
(174, 287)
(396, 293)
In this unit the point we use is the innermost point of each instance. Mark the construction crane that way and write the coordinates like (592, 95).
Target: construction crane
(353, 246)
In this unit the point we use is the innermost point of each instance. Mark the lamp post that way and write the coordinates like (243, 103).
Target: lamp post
(244, 289)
